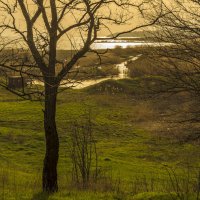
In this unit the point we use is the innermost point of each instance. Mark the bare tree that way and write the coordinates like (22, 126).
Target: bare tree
(38, 27)
(177, 58)
(180, 28)
(83, 153)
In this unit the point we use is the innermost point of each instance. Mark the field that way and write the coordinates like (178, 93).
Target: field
(142, 152)
(129, 146)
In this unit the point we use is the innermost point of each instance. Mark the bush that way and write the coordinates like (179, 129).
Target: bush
(83, 154)
(144, 67)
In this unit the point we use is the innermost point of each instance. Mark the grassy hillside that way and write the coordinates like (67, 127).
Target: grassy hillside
(135, 143)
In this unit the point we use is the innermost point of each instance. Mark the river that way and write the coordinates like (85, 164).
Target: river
(105, 43)
(123, 73)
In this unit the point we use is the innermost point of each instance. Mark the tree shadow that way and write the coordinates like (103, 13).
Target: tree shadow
(40, 196)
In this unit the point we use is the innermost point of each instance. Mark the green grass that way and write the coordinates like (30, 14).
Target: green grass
(155, 196)
(127, 149)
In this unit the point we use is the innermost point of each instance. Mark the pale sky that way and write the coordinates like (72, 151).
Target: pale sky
(137, 20)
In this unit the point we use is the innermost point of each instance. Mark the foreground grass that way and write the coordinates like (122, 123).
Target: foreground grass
(132, 153)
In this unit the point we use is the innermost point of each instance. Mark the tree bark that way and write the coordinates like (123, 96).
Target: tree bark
(52, 141)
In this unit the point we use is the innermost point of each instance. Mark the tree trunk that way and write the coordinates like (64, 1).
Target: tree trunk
(52, 141)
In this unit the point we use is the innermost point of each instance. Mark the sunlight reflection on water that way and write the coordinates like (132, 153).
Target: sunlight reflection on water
(110, 45)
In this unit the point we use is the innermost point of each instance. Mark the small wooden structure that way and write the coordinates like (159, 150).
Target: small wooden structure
(16, 82)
